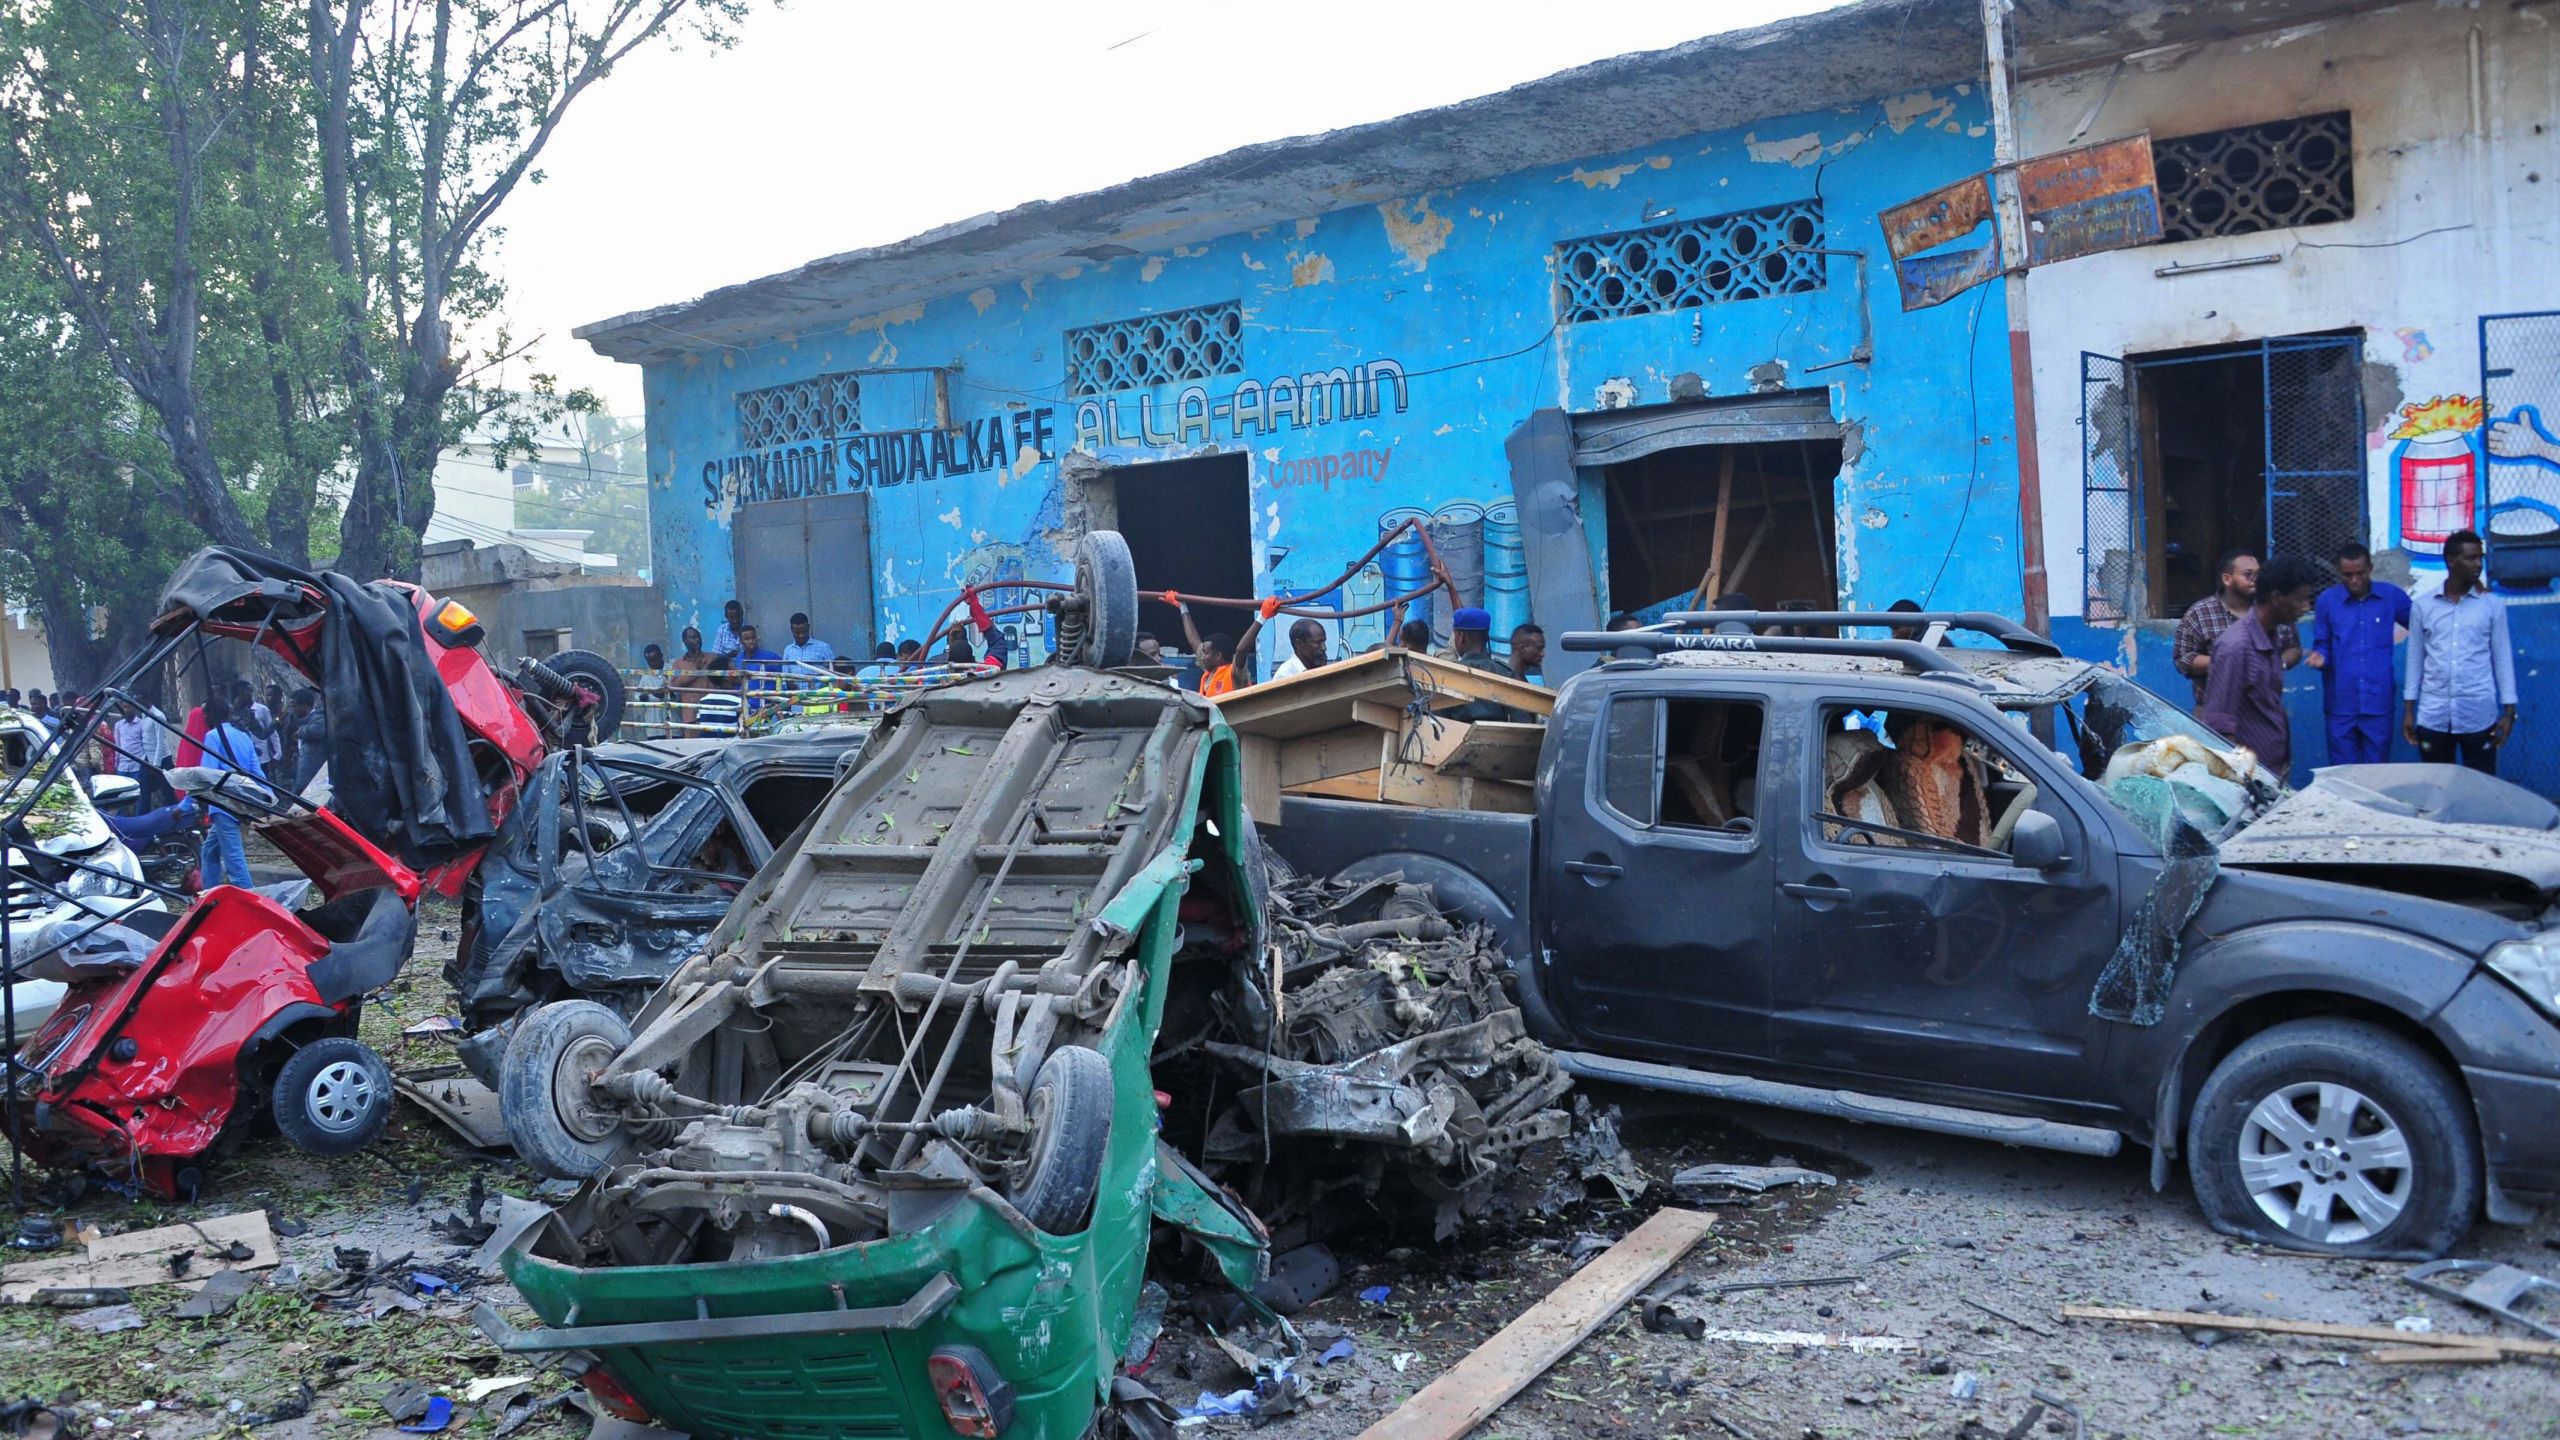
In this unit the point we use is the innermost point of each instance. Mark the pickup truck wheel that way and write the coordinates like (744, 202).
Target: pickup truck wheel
(1070, 1126)
(543, 1092)
(1107, 580)
(2339, 1136)
(332, 1096)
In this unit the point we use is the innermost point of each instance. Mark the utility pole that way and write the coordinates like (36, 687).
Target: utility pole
(2010, 212)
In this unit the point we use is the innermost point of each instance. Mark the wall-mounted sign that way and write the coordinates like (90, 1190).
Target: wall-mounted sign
(2098, 197)
(1923, 237)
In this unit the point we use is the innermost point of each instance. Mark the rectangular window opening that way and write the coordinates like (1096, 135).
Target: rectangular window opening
(1687, 764)
(2272, 176)
(1150, 350)
(818, 408)
(1662, 526)
(1746, 255)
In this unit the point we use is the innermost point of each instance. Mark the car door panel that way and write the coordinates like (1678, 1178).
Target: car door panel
(1937, 966)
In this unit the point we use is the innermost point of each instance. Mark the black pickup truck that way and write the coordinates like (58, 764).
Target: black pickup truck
(1963, 883)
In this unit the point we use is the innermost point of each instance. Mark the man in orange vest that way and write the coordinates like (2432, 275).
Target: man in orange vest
(1225, 665)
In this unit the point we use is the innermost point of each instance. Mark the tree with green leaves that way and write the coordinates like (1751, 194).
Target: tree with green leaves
(430, 114)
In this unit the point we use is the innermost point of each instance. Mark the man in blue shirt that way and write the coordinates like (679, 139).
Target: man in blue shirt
(2358, 621)
(225, 859)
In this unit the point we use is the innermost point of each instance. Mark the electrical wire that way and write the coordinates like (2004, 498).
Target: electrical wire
(1972, 437)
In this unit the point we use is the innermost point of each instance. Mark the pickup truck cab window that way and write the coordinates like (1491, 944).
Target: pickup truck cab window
(1688, 763)
(1910, 778)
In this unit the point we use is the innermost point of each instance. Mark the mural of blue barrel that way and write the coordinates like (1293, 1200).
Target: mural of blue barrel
(1506, 573)
(1406, 564)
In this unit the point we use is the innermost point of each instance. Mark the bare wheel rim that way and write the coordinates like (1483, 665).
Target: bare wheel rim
(2326, 1163)
(340, 1096)
(571, 1097)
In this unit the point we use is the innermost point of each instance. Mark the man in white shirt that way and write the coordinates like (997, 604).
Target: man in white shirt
(2460, 693)
(806, 654)
(1306, 650)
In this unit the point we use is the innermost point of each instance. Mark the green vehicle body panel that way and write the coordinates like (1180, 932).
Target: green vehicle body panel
(1052, 1313)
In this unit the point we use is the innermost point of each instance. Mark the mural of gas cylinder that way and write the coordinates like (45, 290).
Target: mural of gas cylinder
(1457, 532)
(2436, 467)
(1358, 633)
(1406, 564)
(1506, 572)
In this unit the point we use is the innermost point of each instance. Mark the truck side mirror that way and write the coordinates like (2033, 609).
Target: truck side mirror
(2036, 842)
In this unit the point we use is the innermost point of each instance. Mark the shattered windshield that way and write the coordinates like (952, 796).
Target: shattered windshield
(2091, 721)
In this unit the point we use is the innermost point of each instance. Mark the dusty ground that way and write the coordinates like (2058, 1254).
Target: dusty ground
(2019, 1231)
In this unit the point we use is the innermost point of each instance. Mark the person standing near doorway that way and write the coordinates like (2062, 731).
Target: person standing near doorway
(2244, 687)
(2355, 625)
(727, 641)
(2205, 620)
(2459, 700)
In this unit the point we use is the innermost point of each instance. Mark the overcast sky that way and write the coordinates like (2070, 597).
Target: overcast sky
(837, 124)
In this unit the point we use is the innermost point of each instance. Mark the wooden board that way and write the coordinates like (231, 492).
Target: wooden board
(1347, 751)
(1432, 790)
(141, 1257)
(1362, 786)
(1503, 1366)
(1260, 757)
(1323, 699)
(1486, 749)
(2380, 1334)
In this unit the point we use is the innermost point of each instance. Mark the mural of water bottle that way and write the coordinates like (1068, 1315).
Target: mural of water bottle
(1506, 573)
(1358, 633)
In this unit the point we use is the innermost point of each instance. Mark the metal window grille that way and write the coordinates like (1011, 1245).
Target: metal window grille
(811, 409)
(1150, 350)
(2111, 538)
(2315, 445)
(1746, 255)
(2256, 177)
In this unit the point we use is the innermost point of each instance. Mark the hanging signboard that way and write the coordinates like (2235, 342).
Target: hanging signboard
(1919, 232)
(2096, 198)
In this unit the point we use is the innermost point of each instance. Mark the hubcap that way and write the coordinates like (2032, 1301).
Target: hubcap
(2326, 1163)
(341, 1095)
(572, 1095)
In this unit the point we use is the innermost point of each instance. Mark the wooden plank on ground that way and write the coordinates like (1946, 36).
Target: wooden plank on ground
(1503, 1366)
(2380, 1334)
(141, 1257)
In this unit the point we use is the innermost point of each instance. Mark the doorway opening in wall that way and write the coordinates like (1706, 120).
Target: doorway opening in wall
(540, 644)
(1768, 504)
(2192, 454)
(1189, 524)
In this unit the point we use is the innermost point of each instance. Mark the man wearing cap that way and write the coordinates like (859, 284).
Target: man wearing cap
(1470, 635)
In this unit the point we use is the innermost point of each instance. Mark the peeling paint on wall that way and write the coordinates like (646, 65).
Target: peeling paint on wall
(984, 298)
(1312, 270)
(1153, 268)
(1926, 107)
(1598, 179)
(1873, 518)
(1801, 149)
(1414, 230)
(1615, 393)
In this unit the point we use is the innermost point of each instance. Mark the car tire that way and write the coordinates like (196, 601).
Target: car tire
(542, 1083)
(1107, 579)
(591, 671)
(1070, 1106)
(332, 1096)
(2336, 1136)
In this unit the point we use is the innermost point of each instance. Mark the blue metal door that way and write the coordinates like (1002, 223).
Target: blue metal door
(2112, 543)
(2315, 444)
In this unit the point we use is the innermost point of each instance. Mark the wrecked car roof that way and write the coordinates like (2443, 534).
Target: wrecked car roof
(2438, 816)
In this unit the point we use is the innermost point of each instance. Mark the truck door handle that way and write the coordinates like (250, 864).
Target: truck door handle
(1598, 872)
(1805, 891)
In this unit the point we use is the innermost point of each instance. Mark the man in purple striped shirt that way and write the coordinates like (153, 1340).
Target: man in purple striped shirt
(2244, 683)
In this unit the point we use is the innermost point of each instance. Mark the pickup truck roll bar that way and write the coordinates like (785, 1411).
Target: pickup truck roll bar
(1922, 659)
(2008, 632)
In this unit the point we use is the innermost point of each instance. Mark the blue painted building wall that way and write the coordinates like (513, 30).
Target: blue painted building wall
(1441, 307)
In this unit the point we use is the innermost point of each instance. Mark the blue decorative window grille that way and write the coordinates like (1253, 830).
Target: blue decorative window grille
(1150, 350)
(1746, 255)
(811, 409)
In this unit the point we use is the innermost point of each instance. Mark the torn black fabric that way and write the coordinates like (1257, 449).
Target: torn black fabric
(400, 769)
